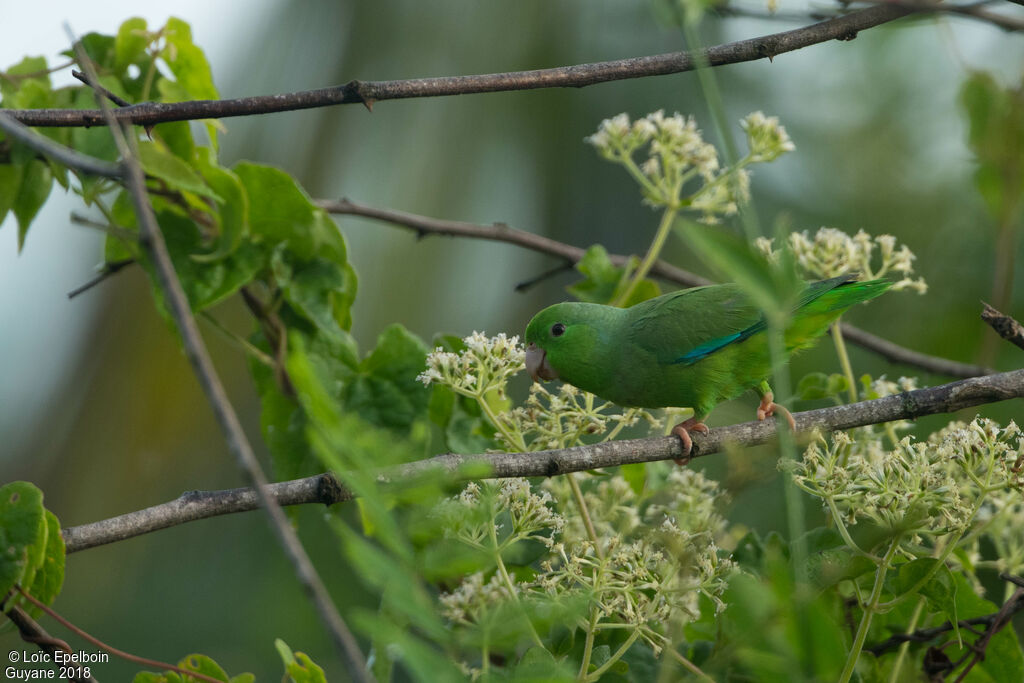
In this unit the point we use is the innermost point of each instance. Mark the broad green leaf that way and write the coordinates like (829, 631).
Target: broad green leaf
(31, 69)
(194, 79)
(50, 577)
(23, 533)
(160, 163)
(635, 475)
(603, 280)
(10, 183)
(298, 665)
(538, 665)
(939, 590)
(100, 49)
(279, 210)
(197, 663)
(35, 187)
(233, 209)
(131, 43)
(385, 390)
(33, 93)
(187, 61)
(177, 136)
(421, 660)
(316, 289)
(830, 566)
(1003, 659)
(205, 284)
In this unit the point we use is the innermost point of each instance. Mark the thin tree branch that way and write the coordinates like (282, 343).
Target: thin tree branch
(121, 654)
(845, 27)
(119, 101)
(901, 354)
(325, 489)
(32, 632)
(109, 269)
(54, 150)
(1012, 606)
(1007, 327)
(499, 232)
(152, 242)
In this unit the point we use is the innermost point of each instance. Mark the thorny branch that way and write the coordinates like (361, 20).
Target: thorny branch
(844, 27)
(325, 488)
(499, 232)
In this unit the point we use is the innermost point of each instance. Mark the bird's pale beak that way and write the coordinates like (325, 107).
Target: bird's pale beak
(537, 364)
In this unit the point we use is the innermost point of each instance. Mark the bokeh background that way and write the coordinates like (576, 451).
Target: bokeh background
(99, 408)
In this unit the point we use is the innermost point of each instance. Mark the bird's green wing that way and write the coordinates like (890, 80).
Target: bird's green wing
(687, 326)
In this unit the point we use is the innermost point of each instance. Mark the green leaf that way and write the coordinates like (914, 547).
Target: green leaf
(773, 288)
(23, 531)
(50, 577)
(537, 665)
(280, 211)
(604, 281)
(421, 660)
(160, 163)
(939, 590)
(187, 61)
(233, 209)
(131, 43)
(385, 390)
(35, 187)
(318, 290)
(830, 561)
(99, 48)
(299, 666)
(30, 65)
(10, 183)
(177, 137)
(635, 475)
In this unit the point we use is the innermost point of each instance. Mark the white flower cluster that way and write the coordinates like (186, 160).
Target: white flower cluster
(677, 153)
(470, 516)
(832, 252)
(485, 364)
(561, 419)
(766, 137)
(930, 488)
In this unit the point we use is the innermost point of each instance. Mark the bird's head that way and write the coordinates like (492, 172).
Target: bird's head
(561, 340)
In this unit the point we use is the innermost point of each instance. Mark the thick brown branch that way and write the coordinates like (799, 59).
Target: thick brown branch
(844, 27)
(324, 489)
(424, 225)
(1007, 327)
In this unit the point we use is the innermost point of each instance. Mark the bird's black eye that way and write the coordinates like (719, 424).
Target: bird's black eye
(557, 330)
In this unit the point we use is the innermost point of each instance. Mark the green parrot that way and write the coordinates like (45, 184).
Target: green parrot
(693, 348)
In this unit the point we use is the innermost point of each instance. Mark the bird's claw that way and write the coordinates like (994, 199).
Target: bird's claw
(769, 407)
(682, 430)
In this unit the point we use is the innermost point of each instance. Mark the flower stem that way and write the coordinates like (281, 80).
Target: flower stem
(588, 645)
(508, 580)
(598, 672)
(869, 612)
(844, 360)
(577, 495)
(652, 256)
(895, 676)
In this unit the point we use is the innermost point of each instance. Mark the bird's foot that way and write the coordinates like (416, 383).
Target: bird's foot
(768, 408)
(682, 430)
